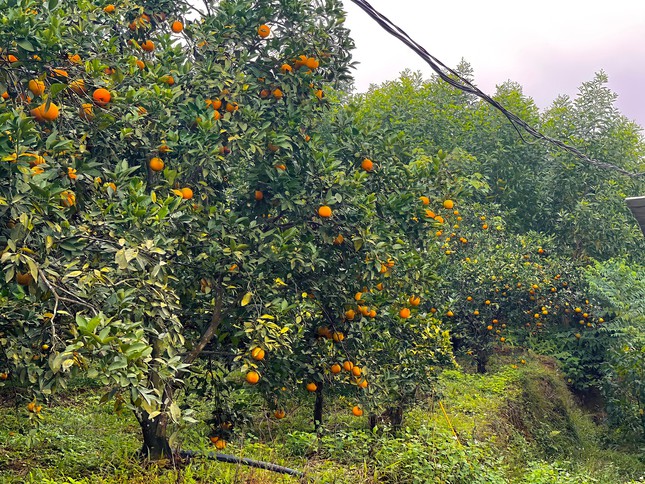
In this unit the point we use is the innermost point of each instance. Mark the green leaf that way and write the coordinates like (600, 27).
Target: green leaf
(56, 88)
(175, 412)
(118, 364)
(25, 44)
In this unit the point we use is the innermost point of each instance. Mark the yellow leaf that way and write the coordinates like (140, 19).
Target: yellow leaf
(246, 299)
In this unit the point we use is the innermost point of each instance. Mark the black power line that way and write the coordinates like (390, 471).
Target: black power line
(457, 81)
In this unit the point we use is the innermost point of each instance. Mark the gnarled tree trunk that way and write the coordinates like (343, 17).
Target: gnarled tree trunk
(155, 438)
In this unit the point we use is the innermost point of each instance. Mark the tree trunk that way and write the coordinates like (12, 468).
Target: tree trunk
(318, 407)
(155, 440)
(396, 416)
(481, 364)
(372, 421)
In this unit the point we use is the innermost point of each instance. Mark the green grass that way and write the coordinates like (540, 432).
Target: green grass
(513, 425)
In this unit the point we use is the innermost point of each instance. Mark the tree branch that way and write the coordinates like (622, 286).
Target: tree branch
(212, 328)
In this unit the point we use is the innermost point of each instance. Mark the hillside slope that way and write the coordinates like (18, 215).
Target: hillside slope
(517, 424)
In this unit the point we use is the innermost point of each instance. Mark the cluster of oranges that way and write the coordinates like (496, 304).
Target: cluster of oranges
(220, 106)
(257, 354)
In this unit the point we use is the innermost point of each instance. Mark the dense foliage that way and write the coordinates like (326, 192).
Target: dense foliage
(187, 209)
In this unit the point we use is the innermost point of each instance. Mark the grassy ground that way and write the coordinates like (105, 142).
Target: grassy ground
(513, 425)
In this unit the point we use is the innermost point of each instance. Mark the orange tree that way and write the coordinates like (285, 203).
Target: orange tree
(505, 288)
(386, 325)
(353, 339)
(160, 188)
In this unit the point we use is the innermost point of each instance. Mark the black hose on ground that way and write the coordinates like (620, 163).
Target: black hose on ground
(231, 459)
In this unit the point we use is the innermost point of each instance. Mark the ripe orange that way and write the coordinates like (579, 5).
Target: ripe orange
(24, 279)
(404, 313)
(335, 368)
(140, 64)
(450, 314)
(372, 313)
(78, 86)
(279, 414)
(68, 198)
(252, 377)
(320, 94)
(277, 93)
(324, 211)
(258, 195)
(425, 200)
(312, 387)
(350, 314)
(286, 68)
(357, 411)
(257, 353)
(216, 103)
(101, 96)
(379, 286)
(216, 115)
(358, 296)
(448, 204)
(367, 165)
(356, 371)
(414, 300)
(71, 173)
(86, 112)
(220, 444)
(37, 87)
(74, 58)
(339, 239)
(12, 58)
(301, 61)
(230, 107)
(362, 383)
(264, 31)
(43, 113)
(337, 336)
(312, 63)
(186, 193)
(177, 26)
(148, 46)
(156, 164)
(348, 365)
(485, 227)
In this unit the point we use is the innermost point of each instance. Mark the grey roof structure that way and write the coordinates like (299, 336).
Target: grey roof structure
(637, 206)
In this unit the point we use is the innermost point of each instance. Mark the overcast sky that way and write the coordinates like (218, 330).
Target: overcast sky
(549, 46)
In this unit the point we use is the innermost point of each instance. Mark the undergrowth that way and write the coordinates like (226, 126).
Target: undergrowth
(517, 424)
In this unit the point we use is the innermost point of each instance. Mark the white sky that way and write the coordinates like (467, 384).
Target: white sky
(549, 46)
